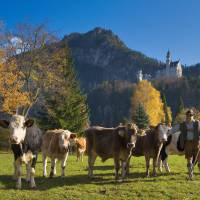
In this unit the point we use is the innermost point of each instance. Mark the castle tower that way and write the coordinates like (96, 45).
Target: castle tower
(139, 76)
(168, 61)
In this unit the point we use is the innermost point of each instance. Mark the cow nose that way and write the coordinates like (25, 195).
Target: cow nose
(14, 139)
(130, 145)
(163, 140)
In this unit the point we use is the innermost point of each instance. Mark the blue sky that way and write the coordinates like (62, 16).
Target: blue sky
(149, 26)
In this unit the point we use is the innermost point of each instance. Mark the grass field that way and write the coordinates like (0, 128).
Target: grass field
(76, 184)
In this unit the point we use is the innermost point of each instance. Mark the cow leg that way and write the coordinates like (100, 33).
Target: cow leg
(128, 166)
(82, 153)
(91, 160)
(32, 170)
(44, 158)
(154, 166)
(147, 159)
(77, 155)
(28, 172)
(63, 163)
(18, 167)
(160, 165)
(117, 166)
(53, 168)
(124, 169)
(32, 179)
(165, 163)
(15, 171)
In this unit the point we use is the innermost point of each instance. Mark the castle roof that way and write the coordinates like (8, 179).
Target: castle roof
(174, 64)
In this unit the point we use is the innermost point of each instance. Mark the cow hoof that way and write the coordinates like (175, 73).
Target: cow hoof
(147, 176)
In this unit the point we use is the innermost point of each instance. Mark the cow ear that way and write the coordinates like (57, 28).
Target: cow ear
(4, 123)
(72, 135)
(29, 123)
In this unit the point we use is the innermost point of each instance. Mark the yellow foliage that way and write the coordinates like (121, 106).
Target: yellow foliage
(11, 85)
(149, 97)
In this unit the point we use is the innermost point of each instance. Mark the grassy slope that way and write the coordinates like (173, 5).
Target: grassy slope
(76, 184)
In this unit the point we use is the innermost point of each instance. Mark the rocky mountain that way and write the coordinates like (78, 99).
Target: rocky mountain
(100, 55)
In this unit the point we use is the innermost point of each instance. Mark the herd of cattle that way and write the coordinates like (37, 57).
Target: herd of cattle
(119, 143)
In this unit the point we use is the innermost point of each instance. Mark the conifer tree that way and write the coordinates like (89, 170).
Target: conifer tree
(67, 106)
(167, 110)
(140, 117)
(181, 105)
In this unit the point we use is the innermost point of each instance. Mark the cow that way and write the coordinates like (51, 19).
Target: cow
(116, 143)
(171, 147)
(149, 146)
(25, 138)
(80, 148)
(55, 145)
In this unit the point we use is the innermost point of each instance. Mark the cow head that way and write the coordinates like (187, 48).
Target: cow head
(162, 131)
(17, 127)
(65, 138)
(129, 134)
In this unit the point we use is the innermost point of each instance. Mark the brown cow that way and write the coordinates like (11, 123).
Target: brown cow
(108, 143)
(150, 144)
(55, 144)
(80, 148)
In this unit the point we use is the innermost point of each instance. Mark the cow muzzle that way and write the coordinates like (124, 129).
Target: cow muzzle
(130, 145)
(163, 140)
(14, 140)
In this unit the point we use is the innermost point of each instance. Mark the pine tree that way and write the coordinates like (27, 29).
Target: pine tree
(167, 111)
(140, 117)
(181, 105)
(68, 105)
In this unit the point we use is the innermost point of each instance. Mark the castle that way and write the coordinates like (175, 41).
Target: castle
(172, 70)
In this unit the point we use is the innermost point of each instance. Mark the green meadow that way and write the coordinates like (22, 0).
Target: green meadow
(76, 184)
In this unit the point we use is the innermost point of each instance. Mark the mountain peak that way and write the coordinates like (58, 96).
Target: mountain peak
(94, 38)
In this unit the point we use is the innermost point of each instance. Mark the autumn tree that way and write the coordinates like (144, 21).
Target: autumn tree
(12, 95)
(47, 78)
(140, 117)
(24, 44)
(149, 97)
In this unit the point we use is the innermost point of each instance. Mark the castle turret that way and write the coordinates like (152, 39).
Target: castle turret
(168, 61)
(139, 76)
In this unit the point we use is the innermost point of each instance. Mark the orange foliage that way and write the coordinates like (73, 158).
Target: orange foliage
(150, 98)
(11, 86)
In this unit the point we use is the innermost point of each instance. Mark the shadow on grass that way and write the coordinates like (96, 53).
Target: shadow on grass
(71, 180)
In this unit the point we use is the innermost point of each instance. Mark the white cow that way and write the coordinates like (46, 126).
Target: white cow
(25, 139)
(171, 147)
